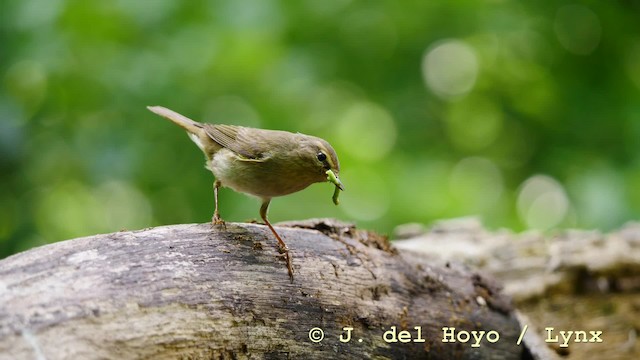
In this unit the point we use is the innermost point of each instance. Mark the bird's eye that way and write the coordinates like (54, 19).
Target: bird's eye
(321, 156)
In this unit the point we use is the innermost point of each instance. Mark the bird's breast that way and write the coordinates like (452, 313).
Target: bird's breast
(263, 178)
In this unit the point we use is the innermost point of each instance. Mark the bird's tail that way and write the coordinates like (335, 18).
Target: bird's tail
(193, 127)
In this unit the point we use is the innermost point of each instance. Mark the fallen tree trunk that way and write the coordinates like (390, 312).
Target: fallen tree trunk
(197, 291)
(568, 280)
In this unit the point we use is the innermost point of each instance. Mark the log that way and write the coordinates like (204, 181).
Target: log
(200, 291)
(568, 280)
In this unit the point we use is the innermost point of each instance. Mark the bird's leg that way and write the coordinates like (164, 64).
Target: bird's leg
(216, 220)
(283, 247)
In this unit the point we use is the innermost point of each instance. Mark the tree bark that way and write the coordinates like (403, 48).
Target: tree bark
(200, 291)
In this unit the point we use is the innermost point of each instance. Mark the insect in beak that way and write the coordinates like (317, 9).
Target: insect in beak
(331, 177)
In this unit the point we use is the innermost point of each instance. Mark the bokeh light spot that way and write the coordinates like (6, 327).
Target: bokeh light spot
(450, 68)
(542, 202)
(366, 131)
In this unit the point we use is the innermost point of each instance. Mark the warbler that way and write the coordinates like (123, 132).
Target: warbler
(259, 162)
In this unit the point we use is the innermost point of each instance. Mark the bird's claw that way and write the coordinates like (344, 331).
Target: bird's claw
(284, 253)
(283, 249)
(216, 220)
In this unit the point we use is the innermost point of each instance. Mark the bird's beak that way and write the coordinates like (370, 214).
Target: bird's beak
(331, 177)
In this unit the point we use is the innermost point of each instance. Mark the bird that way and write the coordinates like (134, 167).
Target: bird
(260, 162)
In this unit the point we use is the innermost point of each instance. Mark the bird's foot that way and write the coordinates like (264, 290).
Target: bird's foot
(290, 268)
(283, 249)
(284, 252)
(216, 220)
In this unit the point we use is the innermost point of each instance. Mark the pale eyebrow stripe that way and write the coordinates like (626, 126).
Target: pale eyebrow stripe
(328, 153)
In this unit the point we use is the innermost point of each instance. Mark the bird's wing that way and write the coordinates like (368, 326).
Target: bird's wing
(235, 139)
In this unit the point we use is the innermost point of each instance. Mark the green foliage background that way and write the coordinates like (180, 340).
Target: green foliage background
(525, 113)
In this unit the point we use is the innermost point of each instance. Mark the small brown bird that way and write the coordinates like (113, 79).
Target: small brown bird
(262, 163)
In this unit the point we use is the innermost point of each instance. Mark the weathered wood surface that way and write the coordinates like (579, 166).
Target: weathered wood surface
(196, 291)
(533, 265)
(569, 280)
